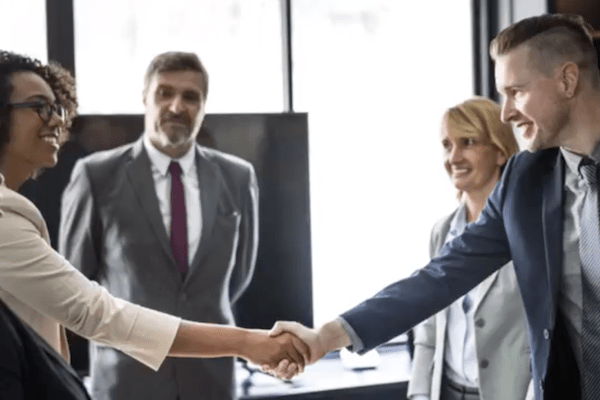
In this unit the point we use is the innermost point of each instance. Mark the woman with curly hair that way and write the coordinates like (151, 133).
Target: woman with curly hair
(37, 104)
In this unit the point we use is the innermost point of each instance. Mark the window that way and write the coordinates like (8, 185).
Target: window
(28, 39)
(375, 77)
(239, 41)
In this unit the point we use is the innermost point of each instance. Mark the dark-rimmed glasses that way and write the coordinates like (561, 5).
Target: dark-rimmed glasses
(44, 109)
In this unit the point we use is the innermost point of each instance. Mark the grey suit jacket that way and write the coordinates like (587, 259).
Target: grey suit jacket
(112, 230)
(500, 337)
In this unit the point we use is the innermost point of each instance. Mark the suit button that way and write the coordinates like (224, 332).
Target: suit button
(484, 363)
(546, 334)
(480, 323)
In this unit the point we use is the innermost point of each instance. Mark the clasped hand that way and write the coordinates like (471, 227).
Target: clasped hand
(307, 349)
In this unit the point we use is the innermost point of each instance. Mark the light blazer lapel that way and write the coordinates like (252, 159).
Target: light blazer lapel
(209, 182)
(139, 173)
(552, 223)
(484, 288)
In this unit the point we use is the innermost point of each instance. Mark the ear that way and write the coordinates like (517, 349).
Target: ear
(501, 158)
(569, 78)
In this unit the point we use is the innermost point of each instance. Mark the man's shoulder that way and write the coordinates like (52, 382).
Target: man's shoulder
(525, 160)
(107, 157)
(224, 160)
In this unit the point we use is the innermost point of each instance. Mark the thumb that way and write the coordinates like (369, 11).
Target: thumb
(280, 327)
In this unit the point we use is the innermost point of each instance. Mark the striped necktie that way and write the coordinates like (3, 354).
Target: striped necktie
(589, 253)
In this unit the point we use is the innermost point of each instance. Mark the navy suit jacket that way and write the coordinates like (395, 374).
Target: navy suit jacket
(29, 368)
(523, 222)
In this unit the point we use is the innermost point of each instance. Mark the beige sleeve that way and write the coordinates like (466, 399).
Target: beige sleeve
(41, 279)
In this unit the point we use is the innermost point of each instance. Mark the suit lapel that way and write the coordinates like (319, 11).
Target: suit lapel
(552, 223)
(139, 173)
(484, 288)
(209, 183)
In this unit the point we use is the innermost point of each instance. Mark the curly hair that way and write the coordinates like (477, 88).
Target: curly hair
(61, 82)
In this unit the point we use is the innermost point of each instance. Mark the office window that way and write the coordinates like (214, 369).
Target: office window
(23, 28)
(239, 42)
(375, 77)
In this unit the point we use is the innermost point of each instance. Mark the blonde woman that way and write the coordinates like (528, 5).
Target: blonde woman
(476, 348)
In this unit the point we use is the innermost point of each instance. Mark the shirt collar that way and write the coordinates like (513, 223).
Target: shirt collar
(459, 222)
(161, 161)
(573, 160)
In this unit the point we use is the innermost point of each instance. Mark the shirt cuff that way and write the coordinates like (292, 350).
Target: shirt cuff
(356, 343)
(419, 397)
(151, 337)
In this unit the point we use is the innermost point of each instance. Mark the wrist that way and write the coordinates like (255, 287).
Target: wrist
(332, 336)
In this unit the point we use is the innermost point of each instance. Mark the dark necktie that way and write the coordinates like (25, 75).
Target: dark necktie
(179, 244)
(589, 253)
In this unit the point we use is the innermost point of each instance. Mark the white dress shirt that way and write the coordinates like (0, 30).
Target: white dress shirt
(460, 355)
(191, 188)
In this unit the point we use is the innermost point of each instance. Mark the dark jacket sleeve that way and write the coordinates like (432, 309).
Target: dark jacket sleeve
(461, 264)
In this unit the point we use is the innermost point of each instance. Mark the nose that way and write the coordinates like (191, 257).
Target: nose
(176, 105)
(455, 154)
(57, 120)
(508, 110)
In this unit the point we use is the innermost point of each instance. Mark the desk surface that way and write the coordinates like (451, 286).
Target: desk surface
(329, 375)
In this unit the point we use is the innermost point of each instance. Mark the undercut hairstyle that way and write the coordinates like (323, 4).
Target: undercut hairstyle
(176, 61)
(59, 79)
(551, 38)
(479, 117)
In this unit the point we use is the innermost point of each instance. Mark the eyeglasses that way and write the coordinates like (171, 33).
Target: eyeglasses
(44, 109)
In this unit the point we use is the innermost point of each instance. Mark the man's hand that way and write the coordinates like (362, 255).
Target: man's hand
(269, 351)
(307, 335)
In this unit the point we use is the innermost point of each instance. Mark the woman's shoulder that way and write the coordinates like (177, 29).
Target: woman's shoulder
(16, 203)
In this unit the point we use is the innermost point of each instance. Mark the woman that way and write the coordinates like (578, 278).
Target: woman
(476, 348)
(37, 105)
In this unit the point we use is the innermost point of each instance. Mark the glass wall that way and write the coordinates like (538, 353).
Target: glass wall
(375, 77)
(30, 38)
(239, 42)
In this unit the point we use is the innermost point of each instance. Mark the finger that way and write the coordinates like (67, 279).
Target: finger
(294, 355)
(291, 371)
(303, 349)
(280, 370)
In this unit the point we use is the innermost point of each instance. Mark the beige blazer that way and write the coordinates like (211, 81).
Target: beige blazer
(48, 293)
(500, 337)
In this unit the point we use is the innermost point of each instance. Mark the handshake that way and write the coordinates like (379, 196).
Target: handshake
(289, 346)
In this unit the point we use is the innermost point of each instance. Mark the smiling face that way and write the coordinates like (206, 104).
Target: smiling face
(472, 162)
(533, 102)
(33, 143)
(174, 103)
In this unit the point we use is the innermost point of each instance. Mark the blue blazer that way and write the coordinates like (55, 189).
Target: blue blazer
(523, 222)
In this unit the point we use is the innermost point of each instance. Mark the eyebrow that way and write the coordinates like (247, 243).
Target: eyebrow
(41, 97)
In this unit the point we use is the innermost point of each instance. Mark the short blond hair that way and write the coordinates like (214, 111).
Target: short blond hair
(481, 116)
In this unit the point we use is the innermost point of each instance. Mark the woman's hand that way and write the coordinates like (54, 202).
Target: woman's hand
(269, 351)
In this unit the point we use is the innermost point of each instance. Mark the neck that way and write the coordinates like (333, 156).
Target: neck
(15, 173)
(475, 200)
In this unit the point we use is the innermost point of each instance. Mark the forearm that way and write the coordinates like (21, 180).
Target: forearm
(194, 340)
(208, 340)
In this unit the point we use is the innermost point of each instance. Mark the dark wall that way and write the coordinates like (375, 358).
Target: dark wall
(277, 146)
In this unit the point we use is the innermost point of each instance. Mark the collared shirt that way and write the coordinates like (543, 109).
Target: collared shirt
(460, 355)
(189, 178)
(570, 300)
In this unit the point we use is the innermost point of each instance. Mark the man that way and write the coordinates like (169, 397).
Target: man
(166, 224)
(543, 215)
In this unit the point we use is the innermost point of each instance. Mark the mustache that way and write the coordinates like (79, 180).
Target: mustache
(176, 118)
